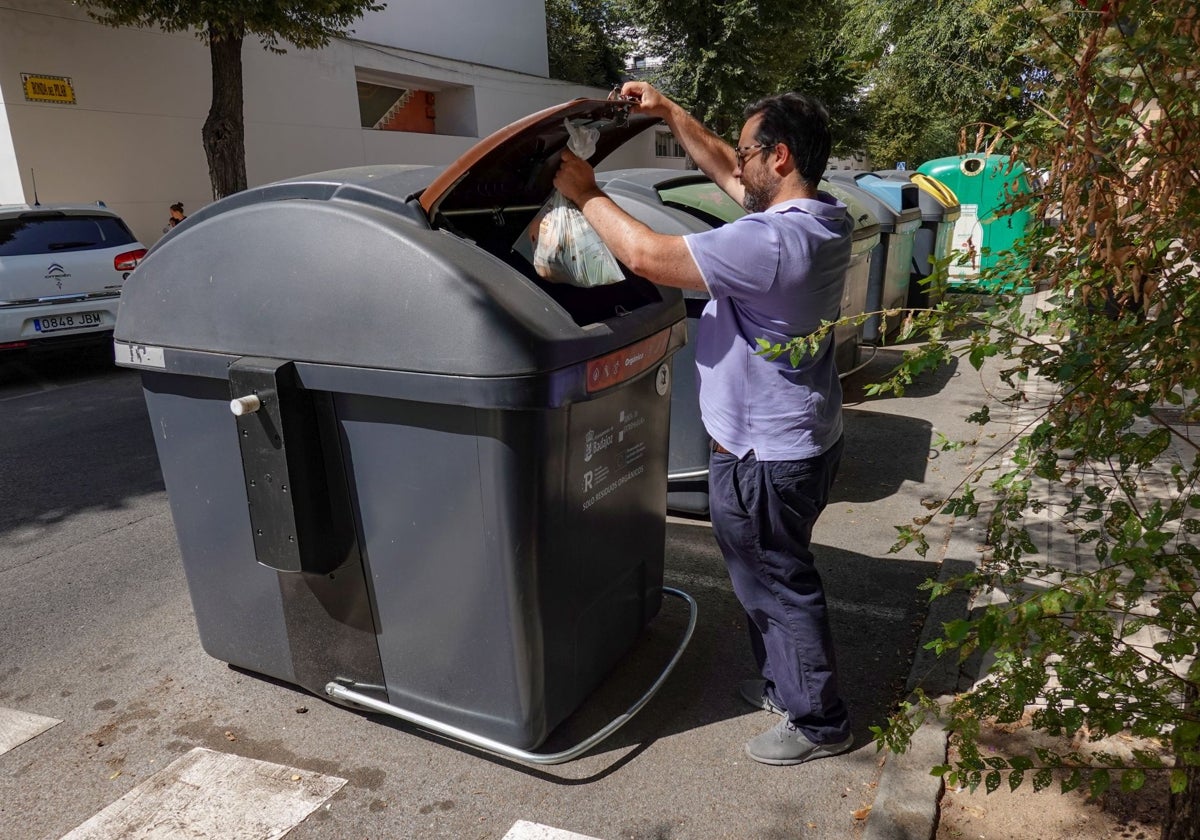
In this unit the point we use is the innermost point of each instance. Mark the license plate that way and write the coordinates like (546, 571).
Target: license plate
(78, 320)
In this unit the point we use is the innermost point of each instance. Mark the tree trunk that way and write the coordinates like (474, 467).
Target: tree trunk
(1182, 820)
(224, 131)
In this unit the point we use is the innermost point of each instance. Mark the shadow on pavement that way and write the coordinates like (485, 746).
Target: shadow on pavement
(883, 451)
(926, 384)
(34, 370)
(76, 437)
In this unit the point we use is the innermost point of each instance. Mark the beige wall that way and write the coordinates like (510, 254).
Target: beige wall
(509, 34)
(133, 139)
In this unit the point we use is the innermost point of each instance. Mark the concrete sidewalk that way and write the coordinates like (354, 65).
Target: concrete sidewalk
(908, 796)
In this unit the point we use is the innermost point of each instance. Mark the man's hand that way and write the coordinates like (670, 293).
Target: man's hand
(576, 179)
(649, 100)
(657, 257)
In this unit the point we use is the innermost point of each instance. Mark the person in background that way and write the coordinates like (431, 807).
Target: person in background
(177, 216)
(776, 273)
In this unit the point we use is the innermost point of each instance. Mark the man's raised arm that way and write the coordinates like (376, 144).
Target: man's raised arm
(712, 154)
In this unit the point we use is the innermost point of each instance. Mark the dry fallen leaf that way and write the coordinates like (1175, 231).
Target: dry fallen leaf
(861, 813)
(295, 778)
(114, 775)
(229, 736)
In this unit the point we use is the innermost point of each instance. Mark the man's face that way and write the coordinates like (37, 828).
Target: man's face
(758, 178)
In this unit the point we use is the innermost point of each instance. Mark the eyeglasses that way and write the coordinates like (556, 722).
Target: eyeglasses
(741, 152)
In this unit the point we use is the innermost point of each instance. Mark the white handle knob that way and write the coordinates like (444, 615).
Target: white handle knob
(245, 405)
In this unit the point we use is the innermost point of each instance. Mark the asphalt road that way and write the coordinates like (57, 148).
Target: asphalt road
(96, 630)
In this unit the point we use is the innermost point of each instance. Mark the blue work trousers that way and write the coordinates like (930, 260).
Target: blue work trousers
(763, 514)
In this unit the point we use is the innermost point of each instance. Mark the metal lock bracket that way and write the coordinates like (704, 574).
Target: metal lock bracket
(295, 487)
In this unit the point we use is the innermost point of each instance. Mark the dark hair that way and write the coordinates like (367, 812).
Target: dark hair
(177, 206)
(799, 122)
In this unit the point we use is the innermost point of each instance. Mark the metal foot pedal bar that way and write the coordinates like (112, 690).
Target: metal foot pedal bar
(340, 692)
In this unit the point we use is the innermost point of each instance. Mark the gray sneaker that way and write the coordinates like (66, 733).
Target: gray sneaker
(754, 692)
(785, 744)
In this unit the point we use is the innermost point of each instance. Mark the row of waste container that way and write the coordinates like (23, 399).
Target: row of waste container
(904, 223)
(410, 474)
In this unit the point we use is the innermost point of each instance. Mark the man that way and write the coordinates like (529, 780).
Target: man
(776, 273)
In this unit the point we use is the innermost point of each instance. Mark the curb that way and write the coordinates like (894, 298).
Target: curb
(908, 795)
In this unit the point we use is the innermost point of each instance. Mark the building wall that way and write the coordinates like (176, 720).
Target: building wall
(133, 137)
(509, 34)
(855, 163)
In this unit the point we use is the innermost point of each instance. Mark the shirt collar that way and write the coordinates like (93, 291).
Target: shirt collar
(824, 206)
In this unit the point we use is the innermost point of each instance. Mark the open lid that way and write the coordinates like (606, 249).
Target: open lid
(515, 166)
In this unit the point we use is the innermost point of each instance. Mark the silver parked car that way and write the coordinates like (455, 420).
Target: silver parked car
(62, 267)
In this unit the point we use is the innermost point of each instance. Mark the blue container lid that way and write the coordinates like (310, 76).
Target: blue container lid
(891, 219)
(937, 201)
(901, 196)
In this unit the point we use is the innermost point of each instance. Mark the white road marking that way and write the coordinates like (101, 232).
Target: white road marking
(523, 830)
(206, 795)
(18, 727)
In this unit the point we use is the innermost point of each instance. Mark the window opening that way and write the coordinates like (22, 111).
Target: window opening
(386, 108)
(666, 146)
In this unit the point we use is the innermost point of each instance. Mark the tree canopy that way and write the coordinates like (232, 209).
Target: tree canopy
(719, 57)
(586, 41)
(931, 68)
(304, 23)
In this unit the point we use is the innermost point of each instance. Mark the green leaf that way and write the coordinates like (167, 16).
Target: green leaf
(1015, 778)
(956, 631)
(1100, 783)
(1148, 758)
(1186, 735)
(1132, 780)
(992, 782)
(1042, 779)
(1178, 781)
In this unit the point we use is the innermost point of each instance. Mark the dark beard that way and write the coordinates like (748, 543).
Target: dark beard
(757, 197)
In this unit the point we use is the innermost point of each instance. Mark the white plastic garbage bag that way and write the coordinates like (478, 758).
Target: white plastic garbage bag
(566, 249)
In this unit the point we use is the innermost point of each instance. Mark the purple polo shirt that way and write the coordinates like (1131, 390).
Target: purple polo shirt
(773, 275)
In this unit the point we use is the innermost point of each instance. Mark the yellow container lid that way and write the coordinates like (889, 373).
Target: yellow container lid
(935, 188)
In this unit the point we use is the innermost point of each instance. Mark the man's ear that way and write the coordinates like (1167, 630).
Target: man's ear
(782, 160)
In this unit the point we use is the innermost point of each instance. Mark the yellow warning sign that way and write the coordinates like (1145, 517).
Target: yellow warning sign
(48, 89)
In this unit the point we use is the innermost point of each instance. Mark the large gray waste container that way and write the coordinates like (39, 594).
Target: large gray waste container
(897, 208)
(864, 250)
(939, 214)
(678, 203)
(452, 497)
(640, 193)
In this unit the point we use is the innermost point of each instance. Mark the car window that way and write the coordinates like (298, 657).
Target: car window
(46, 234)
